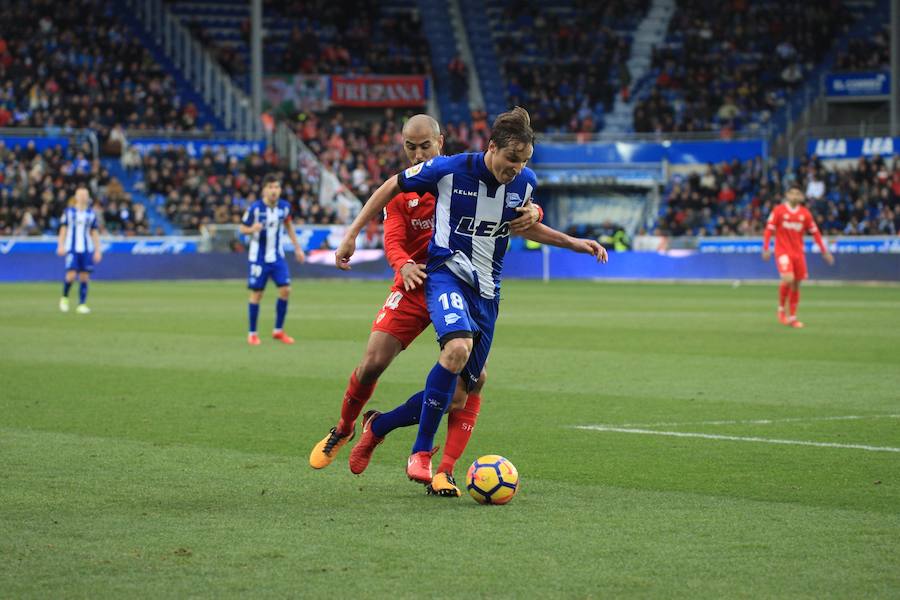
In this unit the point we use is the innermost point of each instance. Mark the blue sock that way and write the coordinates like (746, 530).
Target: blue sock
(280, 313)
(403, 416)
(439, 388)
(254, 316)
(67, 285)
(82, 292)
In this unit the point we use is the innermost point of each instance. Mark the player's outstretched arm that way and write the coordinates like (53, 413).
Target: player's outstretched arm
(547, 235)
(292, 233)
(375, 205)
(98, 253)
(61, 241)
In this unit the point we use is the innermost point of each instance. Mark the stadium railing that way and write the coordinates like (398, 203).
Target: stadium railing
(14, 136)
(198, 66)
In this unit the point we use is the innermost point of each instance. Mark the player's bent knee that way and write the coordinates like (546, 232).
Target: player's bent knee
(284, 292)
(372, 366)
(455, 354)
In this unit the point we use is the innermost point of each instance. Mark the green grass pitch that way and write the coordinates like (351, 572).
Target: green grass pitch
(147, 451)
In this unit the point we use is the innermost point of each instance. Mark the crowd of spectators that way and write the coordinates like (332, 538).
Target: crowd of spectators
(73, 64)
(217, 188)
(729, 66)
(328, 37)
(871, 53)
(35, 187)
(736, 198)
(566, 66)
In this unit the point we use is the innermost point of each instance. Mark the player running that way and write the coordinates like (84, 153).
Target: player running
(788, 221)
(408, 223)
(476, 197)
(265, 221)
(79, 242)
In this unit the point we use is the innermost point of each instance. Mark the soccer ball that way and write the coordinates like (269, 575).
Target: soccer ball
(492, 480)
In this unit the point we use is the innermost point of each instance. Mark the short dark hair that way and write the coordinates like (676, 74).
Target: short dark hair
(794, 185)
(271, 178)
(513, 126)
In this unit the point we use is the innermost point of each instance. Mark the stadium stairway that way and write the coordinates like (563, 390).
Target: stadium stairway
(481, 46)
(187, 93)
(651, 32)
(129, 181)
(443, 44)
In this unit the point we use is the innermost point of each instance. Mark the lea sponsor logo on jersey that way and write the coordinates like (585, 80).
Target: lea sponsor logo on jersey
(481, 228)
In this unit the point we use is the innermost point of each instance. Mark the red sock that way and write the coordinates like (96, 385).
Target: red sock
(460, 424)
(795, 300)
(783, 292)
(355, 398)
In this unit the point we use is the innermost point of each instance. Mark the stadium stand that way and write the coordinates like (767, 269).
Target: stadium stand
(36, 186)
(736, 198)
(729, 70)
(867, 54)
(322, 36)
(565, 60)
(217, 188)
(75, 65)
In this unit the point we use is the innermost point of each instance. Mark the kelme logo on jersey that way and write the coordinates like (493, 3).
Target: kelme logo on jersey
(469, 226)
(513, 199)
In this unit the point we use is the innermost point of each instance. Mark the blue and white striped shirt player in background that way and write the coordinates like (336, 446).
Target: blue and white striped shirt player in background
(477, 196)
(265, 221)
(79, 242)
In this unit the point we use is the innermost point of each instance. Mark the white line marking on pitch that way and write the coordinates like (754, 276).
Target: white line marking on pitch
(764, 421)
(735, 438)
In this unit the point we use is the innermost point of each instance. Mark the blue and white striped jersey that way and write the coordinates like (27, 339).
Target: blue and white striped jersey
(472, 215)
(79, 224)
(266, 244)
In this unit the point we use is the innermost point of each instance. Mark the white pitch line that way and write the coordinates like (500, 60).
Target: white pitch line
(764, 421)
(735, 438)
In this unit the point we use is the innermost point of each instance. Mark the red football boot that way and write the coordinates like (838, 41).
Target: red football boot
(782, 317)
(418, 466)
(253, 339)
(796, 324)
(282, 337)
(368, 441)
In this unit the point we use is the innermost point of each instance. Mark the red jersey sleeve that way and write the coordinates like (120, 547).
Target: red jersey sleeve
(770, 228)
(814, 230)
(395, 227)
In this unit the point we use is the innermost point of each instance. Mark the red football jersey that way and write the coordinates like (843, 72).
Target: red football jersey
(408, 223)
(788, 224)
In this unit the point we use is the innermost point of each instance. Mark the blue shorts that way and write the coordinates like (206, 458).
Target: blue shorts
(458, 310)
(83, 262)
(260, 273)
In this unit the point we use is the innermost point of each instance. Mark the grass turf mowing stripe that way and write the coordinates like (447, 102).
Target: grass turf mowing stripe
(763, 421)
(735, 438)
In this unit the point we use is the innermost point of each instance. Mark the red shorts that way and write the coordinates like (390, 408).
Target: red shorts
(404, 315)
(792, 263)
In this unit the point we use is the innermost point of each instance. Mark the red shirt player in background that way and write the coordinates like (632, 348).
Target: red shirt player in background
(788, 221)
(408, 224)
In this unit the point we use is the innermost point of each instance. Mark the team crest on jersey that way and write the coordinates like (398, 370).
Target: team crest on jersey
(413, 170)
(513, 199)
